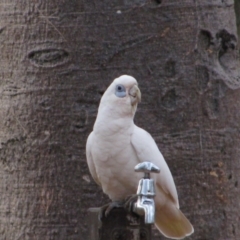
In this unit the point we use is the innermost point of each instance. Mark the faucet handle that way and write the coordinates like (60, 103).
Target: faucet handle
(147, 168)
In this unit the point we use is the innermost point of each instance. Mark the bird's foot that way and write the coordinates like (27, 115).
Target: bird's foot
(130, 201)
(106, 209)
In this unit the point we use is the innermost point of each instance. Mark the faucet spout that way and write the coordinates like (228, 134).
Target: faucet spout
(145, 204)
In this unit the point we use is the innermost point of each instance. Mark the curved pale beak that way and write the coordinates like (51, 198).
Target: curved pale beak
(135, 95)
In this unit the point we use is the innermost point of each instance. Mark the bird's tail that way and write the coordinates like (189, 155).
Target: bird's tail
(172, 223)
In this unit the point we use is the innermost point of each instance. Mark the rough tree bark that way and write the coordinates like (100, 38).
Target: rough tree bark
(57, 57)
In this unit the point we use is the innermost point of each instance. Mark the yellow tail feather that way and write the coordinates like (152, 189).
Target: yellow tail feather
(172, 223)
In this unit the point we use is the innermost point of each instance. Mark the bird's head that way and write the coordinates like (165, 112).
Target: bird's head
(122, 96)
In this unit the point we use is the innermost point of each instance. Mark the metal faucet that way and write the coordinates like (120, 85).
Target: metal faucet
(145, 204)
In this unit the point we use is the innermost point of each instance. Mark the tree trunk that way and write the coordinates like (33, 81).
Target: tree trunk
(237, 12)
(57, 57)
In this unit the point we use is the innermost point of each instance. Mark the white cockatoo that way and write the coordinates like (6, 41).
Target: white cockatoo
(116, 145)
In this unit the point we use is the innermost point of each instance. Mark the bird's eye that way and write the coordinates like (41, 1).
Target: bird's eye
(120, 91)
(120, 88)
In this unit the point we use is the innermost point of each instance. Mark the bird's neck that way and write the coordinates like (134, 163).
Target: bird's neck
(111, 121)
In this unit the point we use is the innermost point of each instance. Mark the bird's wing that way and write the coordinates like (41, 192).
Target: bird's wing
(90, 160)
(147, 150)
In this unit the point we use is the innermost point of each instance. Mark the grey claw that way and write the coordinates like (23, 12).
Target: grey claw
(106, 209)
(129, 202)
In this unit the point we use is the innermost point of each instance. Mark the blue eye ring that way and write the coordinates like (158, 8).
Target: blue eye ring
(120, 91)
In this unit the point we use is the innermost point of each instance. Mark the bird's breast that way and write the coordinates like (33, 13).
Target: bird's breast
(114, 160)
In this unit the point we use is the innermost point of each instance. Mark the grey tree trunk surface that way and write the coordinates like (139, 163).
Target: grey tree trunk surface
(58, 57)
(237, 12)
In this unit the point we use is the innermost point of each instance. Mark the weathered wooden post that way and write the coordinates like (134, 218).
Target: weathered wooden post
(119, 225)
(124, 225)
